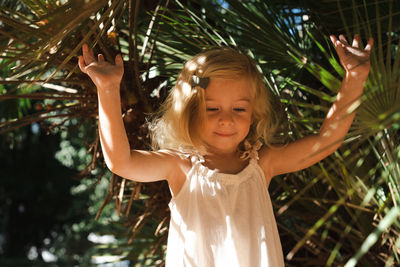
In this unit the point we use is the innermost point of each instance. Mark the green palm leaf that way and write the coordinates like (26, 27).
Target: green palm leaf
(325, 213)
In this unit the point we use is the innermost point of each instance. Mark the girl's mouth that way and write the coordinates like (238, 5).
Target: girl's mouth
(224, 134)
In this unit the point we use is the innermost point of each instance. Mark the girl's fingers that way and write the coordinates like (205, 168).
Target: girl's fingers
(337, 43)
(333, 39)
(88, 58)
(355, 51)
(118, 60)
(369, 45)
(87, 54)
(91, 52)
(81, 64)
(355, 40)
(339, 48)
(343, 39)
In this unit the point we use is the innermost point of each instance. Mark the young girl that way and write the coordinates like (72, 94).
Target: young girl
(209, 135)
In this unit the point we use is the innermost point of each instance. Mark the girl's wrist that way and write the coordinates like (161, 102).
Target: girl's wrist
(109, 88)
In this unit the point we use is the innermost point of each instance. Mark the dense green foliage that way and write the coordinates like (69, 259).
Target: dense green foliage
(340, 211)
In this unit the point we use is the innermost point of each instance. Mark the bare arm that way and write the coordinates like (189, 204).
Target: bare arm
(311, 149)
(135, 165)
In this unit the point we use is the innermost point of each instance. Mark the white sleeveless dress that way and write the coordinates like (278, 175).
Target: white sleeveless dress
(220, 219)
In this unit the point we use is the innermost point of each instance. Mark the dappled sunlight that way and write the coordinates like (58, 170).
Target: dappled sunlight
(201, 61)
(353, 107)
(182, 92)
(191, 66)
(332, 127)
(332, 110)
(346, 207)
(328, 132)
(178, 104)
(194, 64)
(186, 88)
(316, 147)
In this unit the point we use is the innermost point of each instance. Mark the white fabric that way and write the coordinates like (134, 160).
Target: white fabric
(222, 219)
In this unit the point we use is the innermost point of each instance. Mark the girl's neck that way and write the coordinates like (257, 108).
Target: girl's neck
(213, 153)
(225, 162)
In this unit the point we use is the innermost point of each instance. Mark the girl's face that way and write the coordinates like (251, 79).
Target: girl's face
(228, 114)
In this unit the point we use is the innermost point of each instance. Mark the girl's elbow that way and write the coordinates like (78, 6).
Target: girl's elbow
(330, 143)
(115, 166)
(124, 169)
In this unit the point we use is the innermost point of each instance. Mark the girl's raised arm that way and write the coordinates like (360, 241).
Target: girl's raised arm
(305, 152)
(135, 165)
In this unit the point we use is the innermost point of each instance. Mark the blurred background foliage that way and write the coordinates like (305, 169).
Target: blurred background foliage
(60, 206)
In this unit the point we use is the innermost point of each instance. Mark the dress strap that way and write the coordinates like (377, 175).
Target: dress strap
(251, 150)
(196, 158)
(192, 154)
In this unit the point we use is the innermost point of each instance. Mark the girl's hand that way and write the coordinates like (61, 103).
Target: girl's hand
(354, 60)
(104, 74)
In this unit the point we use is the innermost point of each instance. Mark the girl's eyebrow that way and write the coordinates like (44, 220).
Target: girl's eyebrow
(238, 100)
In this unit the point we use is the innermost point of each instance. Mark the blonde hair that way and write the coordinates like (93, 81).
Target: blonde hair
(178, 123)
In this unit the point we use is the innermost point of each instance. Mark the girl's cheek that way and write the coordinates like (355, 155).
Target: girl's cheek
(244, 116)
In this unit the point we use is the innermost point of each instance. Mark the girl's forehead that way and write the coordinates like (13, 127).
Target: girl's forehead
(232, 88)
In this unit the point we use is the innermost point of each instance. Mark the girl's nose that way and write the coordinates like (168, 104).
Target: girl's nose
(225, 119)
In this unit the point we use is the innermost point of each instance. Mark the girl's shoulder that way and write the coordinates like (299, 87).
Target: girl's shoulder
(266, 159)
(263, 159)
(182, 164)
(267, 152)
(178, 158)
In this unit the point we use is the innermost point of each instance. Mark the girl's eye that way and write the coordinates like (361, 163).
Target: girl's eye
(212, 109)
(239, 109)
